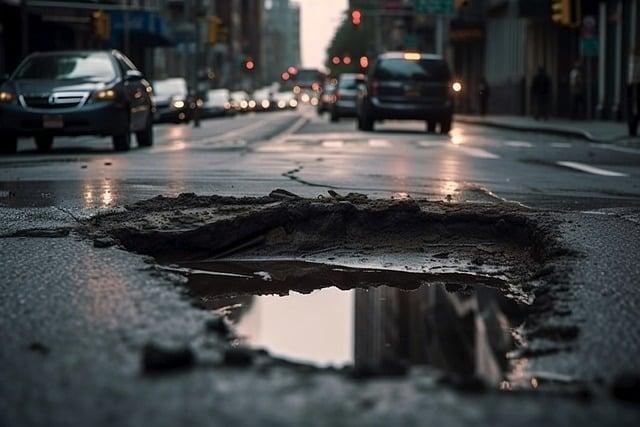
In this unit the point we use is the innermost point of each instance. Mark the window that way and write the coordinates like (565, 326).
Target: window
(402, 69)
(85, 66)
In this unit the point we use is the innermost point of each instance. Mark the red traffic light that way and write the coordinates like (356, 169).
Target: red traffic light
(249, 64)
(335, 60)
(364, 62)
(356, 17)
(346, 60)
(285, 76)
(292, 70)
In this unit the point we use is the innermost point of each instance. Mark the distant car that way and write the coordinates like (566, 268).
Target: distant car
(285, 100)
(172, 100)
(343, 101)
(75, 93)
(240, 100)
(217, 103)
(407, 85)
(326, 98)
(262, 100)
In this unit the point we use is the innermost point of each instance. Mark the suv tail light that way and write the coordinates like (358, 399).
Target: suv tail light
(375, 87)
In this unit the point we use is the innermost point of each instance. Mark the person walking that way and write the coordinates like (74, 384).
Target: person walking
(576, 89)
(483, 96)
(540, 91)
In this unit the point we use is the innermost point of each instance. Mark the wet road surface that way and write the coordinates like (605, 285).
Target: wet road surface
(74, 312)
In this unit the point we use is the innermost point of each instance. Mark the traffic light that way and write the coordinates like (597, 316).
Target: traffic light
(364, 62)
(356, 18)
(561, 12)
(101, 24)
(214, 25)
(249, 64)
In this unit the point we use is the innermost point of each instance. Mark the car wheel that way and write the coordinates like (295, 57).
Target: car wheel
(431, 126)
(44, 143)
(365, 123)
(445, 126)
(633, 127)
(8, 144)
(145, 136)
(334, 117)
(122, 142)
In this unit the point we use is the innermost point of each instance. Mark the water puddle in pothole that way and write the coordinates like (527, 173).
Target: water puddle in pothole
(336, 315)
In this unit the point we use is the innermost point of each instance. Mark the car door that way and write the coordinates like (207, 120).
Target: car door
(136, 93)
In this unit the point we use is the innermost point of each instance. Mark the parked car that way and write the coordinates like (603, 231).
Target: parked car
(407, 85)
(343, 101)
(76, 93)
(172, 100)
(217, 104)
(326, 98)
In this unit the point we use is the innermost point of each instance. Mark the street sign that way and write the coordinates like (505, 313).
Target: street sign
(589, 47)
(434, 7)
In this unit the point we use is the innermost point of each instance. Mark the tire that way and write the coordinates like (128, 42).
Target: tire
(334, 117)
(145, 136)
(8, 144)
(365, 123)
(445, 126)
(44, 143)
(122, 142)
(633, 127)
(431, 126)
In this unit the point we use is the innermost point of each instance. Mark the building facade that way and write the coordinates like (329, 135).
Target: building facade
(281, 37)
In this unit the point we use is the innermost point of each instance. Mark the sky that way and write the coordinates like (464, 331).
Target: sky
(318, 23)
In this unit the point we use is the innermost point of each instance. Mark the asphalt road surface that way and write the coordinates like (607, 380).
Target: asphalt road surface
(74, 317)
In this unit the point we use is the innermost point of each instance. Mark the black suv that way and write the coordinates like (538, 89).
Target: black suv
(406, 85)
(75, 93)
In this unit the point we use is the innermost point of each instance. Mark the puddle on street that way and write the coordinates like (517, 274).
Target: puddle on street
(334, 315)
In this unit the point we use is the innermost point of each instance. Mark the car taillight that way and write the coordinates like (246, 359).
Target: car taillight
(375, 87)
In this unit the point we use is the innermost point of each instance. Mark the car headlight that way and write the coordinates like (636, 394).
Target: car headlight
(105, 95)
(7, 97)
(177, 103)
(456, 86)
(265, 104)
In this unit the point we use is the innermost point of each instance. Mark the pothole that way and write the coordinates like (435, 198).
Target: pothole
(377, 284)
(367, 318)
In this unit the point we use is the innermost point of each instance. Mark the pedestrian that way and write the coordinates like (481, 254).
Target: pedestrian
(483, 96)
(540, 91)
(576, 89)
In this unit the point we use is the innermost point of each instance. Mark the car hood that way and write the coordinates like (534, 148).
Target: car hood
(48, 86)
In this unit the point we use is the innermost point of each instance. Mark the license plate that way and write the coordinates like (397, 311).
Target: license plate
(52, 122)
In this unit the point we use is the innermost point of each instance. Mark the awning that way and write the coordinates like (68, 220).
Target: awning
(147, 28)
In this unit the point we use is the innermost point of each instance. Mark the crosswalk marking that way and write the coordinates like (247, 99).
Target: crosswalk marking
(518, 144)
(561, 145)
(590, 169)
(379, 143)
(475, 152)
(333, 144)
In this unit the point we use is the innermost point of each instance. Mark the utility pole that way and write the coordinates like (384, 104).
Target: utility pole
(24, 17)
(198, 49)
(126, 37)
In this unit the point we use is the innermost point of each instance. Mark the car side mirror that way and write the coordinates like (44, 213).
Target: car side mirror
(133, 75)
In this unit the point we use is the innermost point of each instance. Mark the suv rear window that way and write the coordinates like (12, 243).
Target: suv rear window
(349, 82)
(403, 69)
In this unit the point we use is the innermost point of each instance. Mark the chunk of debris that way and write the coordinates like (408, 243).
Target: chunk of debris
(238, 357)
(626, 387)
(218, 326)
(39, 348)
(283, 195)
(103, 242)
(158, 358)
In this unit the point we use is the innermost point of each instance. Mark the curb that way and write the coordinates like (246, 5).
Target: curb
(574, 133)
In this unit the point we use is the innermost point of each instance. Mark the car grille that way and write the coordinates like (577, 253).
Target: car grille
(55, 101)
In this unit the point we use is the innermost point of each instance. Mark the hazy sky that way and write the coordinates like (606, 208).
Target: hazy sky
(318, 23)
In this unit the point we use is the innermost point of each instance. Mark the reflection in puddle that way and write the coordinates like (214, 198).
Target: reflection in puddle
(458, 323)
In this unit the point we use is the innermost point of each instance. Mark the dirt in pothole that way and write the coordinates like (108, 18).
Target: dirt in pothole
(387, 282)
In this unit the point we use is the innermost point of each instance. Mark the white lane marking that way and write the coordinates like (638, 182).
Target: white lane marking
(475, 152)
(518, 144)
(561, 145)
(379, 143)
(333, 144)
(174, 146)
(432, 143)
(590, 169)
(617, 148)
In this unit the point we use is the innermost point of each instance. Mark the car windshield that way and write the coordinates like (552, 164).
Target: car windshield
(170, 87)
(349, 82)
(402, 69)
(89, 66)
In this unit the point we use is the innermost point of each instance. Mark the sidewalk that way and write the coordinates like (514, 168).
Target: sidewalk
(597, 131)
